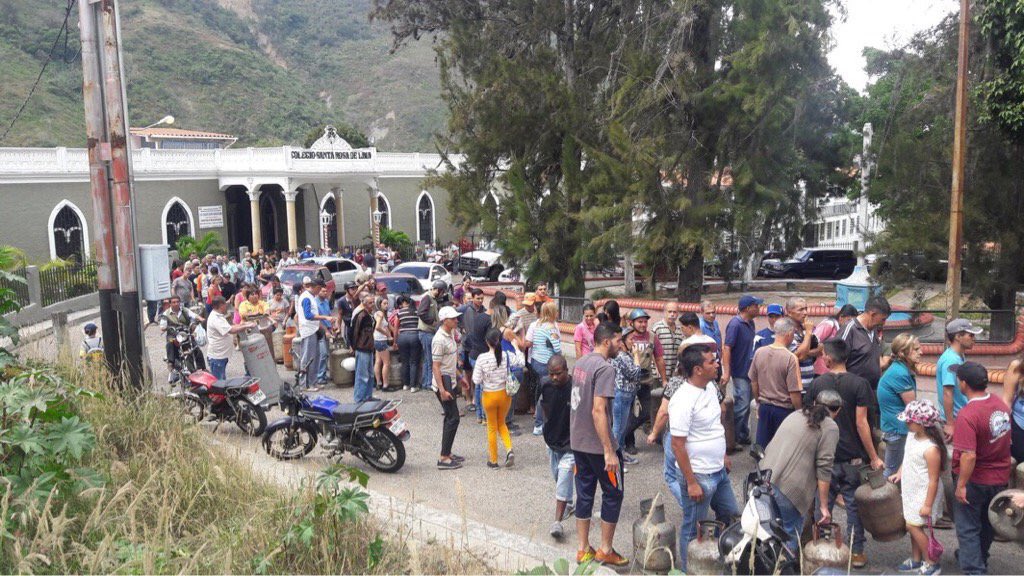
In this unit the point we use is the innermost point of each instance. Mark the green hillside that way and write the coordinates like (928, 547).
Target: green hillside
(265, 70)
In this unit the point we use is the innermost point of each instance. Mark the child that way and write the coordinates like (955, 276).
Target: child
(92, 346)
(924, 459)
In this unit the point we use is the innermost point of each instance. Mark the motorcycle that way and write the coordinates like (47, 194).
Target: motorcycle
(189, 358)
(371, 430)
(237, 400)
(759, 531)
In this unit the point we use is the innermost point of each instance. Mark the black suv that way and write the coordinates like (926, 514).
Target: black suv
(814, 263)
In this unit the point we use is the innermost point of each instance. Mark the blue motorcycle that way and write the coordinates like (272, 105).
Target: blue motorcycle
(372, 430)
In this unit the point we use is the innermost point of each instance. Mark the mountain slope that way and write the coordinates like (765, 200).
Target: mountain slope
(265, 70)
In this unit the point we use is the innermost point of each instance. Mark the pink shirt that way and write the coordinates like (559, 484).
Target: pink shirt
(585, 335)
(826, 329)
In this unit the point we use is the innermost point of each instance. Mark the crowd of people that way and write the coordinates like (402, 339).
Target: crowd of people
(822, 396)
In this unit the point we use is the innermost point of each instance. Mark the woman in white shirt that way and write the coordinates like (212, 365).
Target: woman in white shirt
(491, 372)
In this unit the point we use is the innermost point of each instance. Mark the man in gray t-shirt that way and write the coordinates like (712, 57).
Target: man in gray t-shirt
(594, 449)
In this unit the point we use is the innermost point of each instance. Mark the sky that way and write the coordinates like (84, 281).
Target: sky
(880, 24)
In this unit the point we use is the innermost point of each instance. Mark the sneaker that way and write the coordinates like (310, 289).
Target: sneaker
(493, 465)
(415, 390)
(585, 555)
(406, 388)
(449, 465)
(515, 433)
(909, 565)
(470, 408)
(611, 558)
(556, 531)
(860, 559)
(630, 450)
(931, 569)
(510, 459)
(538, 430)
(569, 509)
(457, 458)
(627, 459)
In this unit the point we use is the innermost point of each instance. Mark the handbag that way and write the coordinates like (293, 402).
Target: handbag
(511, 382)
(935, 548)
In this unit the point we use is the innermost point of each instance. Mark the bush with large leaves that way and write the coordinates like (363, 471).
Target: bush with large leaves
(208, 244)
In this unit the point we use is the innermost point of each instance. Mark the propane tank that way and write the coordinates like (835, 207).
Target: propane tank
(656, 395)
(278, 340)
(702, 555)
(729, 423)
(259, 362)
(1007, 520)
(395, 376)
(289, 337)
(825, 550)
(1018, 477)
(339, 375)
(948, 493)
(880, 506)
(654, 539)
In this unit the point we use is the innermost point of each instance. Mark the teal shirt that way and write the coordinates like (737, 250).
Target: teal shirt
(944, 378)
(896, 380)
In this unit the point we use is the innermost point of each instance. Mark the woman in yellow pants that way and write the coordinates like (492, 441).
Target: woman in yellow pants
(491, 371)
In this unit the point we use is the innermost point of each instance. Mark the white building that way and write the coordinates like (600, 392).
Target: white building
(838, 225)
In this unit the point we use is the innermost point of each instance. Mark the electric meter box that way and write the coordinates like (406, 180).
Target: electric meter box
(155, 268)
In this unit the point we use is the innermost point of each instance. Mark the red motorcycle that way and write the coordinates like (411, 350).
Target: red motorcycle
(237, 400)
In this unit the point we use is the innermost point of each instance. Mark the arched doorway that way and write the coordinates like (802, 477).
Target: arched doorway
(177, 222)
(238, 218)
(425, 218)
(268, 220)
(328, 223)
(68, 233)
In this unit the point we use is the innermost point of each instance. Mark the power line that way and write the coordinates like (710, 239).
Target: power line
(63, 31)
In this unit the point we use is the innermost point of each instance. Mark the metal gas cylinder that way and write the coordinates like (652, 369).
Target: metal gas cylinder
(1007, 520)
(259, 362)
(656, 395)
(1018, 477)
(395, 376)
(729, 423)
(880, 506)
(278, 339)
(825, 550)
(289, 337)
(339, 375)
(654, 539)
(702, 555)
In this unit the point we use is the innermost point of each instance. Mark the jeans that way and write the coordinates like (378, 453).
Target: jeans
(741, 394)
(427, 373)
(478, 394)
(540, 370)
(325, 354)
(309, 360)
(409, 352)
(973, 529)
(845, 481)
(643, 394)
(769, 418)
(894, 444)
(673, 477)
(792, 520)
(219, 368)
(451, 416)
(622, 406)
(718, 496)
(562, 464)
(152, 310)
(364, 376)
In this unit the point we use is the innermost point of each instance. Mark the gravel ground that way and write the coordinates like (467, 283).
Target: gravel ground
(519, 500)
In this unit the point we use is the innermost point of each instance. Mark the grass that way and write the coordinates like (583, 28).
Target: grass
(171, 503)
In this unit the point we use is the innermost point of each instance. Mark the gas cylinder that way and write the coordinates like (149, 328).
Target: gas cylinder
(880, 506)
(395, 376)
(1007, 520)
(654, 539)
(339, 375)
(825, 550)
(289, 336)
(656, 395)
(729, 423)
(1018, 477)
(259, 362)
(702, 555)
(278, 339)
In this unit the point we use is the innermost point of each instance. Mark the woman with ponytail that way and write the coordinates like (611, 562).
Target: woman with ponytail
(490, 374)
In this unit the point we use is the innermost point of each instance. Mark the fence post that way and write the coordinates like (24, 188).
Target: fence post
(60, 330)
(35, 290)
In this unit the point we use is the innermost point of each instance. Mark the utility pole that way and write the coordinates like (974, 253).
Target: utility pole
(110, 178)
(956, 203)
(863, 206)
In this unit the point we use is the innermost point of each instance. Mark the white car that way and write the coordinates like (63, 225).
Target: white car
(425, 272)
(481, 264)
(342, 270)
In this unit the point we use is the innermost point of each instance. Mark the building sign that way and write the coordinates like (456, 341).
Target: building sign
(211, 216)
(332, 154)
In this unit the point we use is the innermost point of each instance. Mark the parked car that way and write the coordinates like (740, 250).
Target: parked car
(342, 269)
(294, 274)
(814, 263)
(397, 284)
(481, 265)
(425, 272)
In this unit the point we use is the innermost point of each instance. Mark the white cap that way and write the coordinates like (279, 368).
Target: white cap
(307, 280)
(448, 312)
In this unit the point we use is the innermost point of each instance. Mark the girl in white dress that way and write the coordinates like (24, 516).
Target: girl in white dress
(924, 458)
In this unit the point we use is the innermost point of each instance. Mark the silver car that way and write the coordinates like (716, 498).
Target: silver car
(342, 270)
(425, 272)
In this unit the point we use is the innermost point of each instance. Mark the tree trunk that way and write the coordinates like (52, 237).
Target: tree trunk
(629, 274)
(691, 277)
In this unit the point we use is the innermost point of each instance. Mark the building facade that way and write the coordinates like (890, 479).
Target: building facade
(838, 225)
(270, 198)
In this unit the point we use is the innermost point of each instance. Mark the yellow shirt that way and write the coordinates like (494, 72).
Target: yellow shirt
(248, 308)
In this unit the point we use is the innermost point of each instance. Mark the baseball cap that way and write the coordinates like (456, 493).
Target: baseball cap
(974, 374)
(307, 280)
(775, 310)
(448, 312)
(962, 325)
(748, 300)
(529, 299)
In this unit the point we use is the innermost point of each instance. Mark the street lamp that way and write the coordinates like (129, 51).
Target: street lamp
(165, 120)
(377, 214)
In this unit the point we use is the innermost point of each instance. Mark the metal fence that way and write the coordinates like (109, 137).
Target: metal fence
(19, 289)
(570, 309)
(65, 282)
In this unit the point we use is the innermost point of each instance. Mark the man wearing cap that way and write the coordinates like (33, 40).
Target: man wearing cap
(307, 253)
(308, 339)
(737, 353)
(766, 336)
(670, 335)
(960, 334)
(647, 348)
(444, 352)
(981, 464)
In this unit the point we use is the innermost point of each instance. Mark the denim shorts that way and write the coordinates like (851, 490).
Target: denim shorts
(380, 345)
(561, 470)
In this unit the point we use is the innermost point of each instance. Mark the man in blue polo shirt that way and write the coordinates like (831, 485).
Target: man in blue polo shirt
(737, 353)
(766, 336)
(960, 334)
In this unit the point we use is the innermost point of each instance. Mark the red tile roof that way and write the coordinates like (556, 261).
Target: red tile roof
(179, 133)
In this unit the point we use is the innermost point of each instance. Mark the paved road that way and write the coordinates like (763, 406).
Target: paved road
(520, 500)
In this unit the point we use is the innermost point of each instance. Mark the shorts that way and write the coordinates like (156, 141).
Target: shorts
(381, 345)
(562, 464)
(589, 473)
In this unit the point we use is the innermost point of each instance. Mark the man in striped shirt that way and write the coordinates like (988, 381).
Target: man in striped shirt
(670, 333)
(805, 344)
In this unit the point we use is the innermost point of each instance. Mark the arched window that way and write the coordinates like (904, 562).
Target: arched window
(68, 233)
(425, 218)
(328, 225)
(177, 222)
(385, 211)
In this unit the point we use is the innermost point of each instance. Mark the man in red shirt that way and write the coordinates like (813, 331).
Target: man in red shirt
(981, 464)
